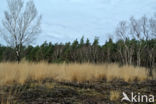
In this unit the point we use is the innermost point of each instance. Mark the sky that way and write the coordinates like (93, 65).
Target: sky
(67, 20)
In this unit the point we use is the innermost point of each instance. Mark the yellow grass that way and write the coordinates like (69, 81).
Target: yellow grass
(154, 74)
(114, 95)
(13, 72)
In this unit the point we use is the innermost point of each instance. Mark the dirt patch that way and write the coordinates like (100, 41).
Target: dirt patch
(53, 92)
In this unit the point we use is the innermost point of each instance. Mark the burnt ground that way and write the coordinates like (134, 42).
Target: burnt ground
(53, 92)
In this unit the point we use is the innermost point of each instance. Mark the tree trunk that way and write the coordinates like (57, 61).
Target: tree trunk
(18, 52)
(18, 56)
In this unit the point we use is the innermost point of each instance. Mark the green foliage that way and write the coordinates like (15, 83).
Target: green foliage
(82, 41)
(96, 41)
(87, 42)
(85, 52)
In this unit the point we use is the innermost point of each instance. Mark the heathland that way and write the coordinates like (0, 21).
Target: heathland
(78, 72)
(40, 83)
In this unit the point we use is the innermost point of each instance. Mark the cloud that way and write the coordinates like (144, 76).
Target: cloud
(66, 20)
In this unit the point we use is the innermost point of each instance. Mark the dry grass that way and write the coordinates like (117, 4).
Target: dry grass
(13, 72)
(7, 99)
(114, 95)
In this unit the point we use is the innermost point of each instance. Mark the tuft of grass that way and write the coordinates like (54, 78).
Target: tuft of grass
(154, 74)
(20, 73)
(114, 95)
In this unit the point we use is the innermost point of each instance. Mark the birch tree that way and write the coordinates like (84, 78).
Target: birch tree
(20, 25)
(123, 32)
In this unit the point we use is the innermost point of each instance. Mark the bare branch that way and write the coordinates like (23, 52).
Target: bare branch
(122, 30)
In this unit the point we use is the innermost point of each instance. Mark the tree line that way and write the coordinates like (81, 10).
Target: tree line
(85, 51)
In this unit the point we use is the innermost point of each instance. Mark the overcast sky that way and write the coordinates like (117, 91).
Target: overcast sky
(66, 20)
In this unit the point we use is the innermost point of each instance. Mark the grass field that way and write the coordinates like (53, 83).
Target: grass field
(40, 83)
(13, 72)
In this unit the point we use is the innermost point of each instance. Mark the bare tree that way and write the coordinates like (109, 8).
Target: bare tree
(142, 29)
(20, 25)
(135, 29)
(123, 32)
(152, 22)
